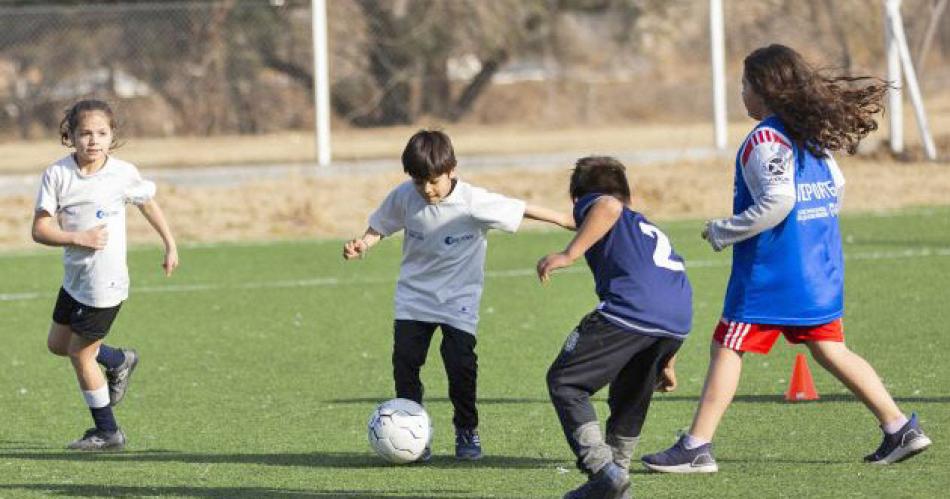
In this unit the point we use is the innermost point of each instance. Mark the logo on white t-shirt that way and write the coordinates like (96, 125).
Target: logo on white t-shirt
(450, 240)
(100, 213)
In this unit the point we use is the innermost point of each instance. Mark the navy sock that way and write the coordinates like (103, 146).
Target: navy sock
(110, 357)
(104, 419)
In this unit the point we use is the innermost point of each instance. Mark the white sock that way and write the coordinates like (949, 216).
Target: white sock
(894, 426)
(691, 442)
(97, 398)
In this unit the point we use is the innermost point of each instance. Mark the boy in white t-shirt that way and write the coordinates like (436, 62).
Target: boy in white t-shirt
(81, 206)
(445, 221)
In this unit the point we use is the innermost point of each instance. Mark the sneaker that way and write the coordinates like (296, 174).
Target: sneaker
(97, 440)
(467, 445)
(118, 378)
(611, 482)
(426, 456)
(679, 459)
(907, 442)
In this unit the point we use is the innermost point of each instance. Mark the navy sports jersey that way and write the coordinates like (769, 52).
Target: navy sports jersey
(792, 273)
(639, 279)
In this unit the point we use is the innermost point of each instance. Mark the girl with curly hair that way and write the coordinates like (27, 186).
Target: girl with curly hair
(787, 263)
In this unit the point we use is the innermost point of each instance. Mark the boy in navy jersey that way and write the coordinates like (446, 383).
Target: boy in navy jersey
(787, 263)
(630, 340)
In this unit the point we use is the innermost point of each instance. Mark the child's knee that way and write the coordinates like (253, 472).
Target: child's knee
(57, 348)
(827, 352)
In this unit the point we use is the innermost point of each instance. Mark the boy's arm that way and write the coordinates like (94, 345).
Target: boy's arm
(356, 248)
(156, 218)
(46, 231)
(599, 220)
(548, 215)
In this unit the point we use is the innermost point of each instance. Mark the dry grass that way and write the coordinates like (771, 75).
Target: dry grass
(337, 207)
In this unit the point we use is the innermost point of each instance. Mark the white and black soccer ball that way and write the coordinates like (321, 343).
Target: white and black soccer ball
(399, 430)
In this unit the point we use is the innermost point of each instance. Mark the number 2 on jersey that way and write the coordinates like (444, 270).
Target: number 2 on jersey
(663, 251)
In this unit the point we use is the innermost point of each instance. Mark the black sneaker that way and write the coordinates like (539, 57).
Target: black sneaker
(467, 445)
(679, 459)
(611, 482)
(907, 442)
(118, 378)
(97, 440)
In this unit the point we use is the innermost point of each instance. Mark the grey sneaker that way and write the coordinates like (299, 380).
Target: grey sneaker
(907, 442)
(679, 459)
(97, 440)
(118, 378)
(611, 482)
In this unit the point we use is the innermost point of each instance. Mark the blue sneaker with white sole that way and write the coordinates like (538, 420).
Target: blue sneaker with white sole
(611, 482)
(679, 459)
(905, 443)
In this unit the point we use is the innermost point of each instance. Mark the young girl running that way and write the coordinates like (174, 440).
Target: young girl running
(81, 206)
(787, 263)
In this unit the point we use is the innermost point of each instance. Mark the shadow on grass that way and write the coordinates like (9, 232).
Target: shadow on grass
(780, 399)
(91, 490)
(753, 399)
(487, 401)
(343, 460)
(23, 445)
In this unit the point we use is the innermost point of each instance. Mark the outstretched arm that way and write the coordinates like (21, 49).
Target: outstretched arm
(600, 219)
(548, 215)
(356, 248)
(47, 231)
(156, 218)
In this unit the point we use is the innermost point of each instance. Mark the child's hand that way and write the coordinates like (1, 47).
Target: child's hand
(94, 238)
(667, 380)
(171, 261)
(551, 262)
(354, 249)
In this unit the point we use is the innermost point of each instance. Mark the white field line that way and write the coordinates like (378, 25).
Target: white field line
(491, 274)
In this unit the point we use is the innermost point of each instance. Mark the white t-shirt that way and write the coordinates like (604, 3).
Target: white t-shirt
(94, 278)
(443, 253)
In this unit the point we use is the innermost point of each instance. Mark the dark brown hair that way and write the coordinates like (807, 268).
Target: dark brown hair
(820, 112)
(599, 175)
(74, 114)
(428, 154)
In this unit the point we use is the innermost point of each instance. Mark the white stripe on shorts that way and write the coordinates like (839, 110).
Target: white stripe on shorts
(741, 337)
(729, 333)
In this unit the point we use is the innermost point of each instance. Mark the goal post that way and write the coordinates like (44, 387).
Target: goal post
(896, 43)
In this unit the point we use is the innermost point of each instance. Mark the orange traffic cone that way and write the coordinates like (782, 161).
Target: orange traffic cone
(801, 386)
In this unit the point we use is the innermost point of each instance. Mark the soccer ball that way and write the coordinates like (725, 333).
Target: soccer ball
(399, 430)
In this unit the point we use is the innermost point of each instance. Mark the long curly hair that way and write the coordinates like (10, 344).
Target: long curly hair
(820, 112)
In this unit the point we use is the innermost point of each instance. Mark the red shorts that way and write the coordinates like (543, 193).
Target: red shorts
(759, 338)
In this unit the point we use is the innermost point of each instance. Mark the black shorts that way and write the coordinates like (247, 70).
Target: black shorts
(89, 322)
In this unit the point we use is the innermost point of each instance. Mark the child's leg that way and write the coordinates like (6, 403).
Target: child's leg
(461, 367)
(57, 341)
(856, 374)
(410, 347)
(722, 380)
(593, 355)
(82, 354)
(630, 395)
